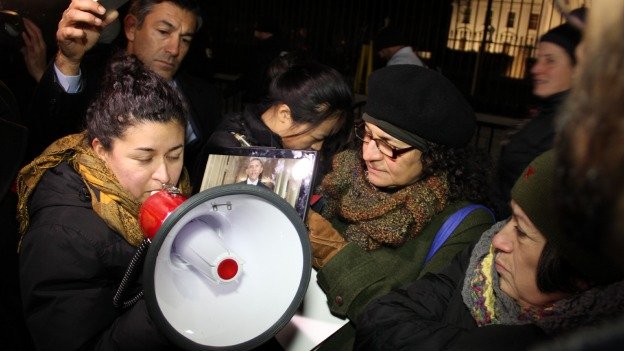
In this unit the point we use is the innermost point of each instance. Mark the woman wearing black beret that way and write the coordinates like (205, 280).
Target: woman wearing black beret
(389, 204)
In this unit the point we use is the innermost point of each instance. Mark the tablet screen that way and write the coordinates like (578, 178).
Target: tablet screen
(288, 173)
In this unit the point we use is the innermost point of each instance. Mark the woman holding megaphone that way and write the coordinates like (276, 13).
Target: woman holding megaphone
(78, 207)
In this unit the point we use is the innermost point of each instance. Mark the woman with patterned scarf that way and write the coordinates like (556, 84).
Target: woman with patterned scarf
(384, 205)
(78, 207)
(524, 281)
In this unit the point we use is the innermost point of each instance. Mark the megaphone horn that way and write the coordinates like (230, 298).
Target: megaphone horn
(227, 269)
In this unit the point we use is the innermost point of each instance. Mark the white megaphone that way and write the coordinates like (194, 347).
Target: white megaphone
(227, 269)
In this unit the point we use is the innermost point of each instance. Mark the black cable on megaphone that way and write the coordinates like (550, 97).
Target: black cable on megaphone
(152, 213)
(130, 276)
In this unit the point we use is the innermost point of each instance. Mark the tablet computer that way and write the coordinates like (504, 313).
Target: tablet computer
(288, 173)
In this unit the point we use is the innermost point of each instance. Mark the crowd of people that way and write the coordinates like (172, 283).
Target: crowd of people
(417, 238)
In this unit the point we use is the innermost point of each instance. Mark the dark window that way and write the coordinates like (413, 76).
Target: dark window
(511, 19)
(533, 21)
(466, 15)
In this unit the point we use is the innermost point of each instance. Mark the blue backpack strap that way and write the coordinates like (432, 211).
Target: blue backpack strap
(449, 227)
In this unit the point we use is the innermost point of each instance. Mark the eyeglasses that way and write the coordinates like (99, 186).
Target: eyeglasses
(383, 147)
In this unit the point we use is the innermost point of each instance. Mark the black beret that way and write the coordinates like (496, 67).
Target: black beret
(566, 36)
(421, 102)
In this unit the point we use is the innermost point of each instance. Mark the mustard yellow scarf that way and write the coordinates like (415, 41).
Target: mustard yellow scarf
(109, 200)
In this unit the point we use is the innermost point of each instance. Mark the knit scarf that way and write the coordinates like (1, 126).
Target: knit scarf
(489, 305)
(109, 199)
(375, 217)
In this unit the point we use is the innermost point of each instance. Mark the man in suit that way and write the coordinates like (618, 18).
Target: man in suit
(158, 32)
(254, 173)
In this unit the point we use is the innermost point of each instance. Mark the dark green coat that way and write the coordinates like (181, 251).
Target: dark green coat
(354, 277)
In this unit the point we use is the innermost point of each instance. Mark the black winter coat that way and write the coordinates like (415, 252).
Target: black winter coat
(71, 264)
(527, 143)
(430, 314)
(249, 124)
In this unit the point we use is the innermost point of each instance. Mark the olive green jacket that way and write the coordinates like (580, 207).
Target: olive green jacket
(354, 277)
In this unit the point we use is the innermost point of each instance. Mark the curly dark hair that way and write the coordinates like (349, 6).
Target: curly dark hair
(467, 169)
(130, 94)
